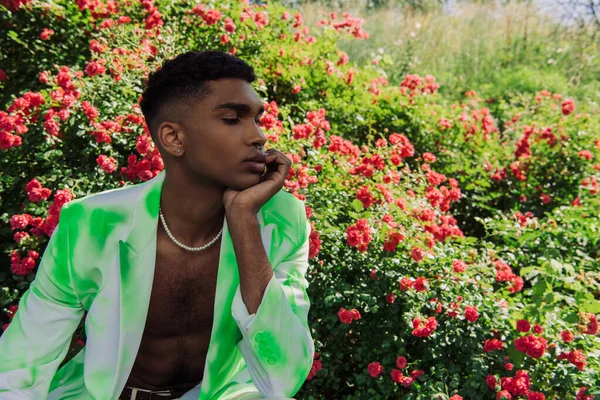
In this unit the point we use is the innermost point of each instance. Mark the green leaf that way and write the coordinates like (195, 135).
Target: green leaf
(551, 297)
(590, 307)
(553, 268)
(530, 272)
(357, 205)
(15, 36)
(515, 356)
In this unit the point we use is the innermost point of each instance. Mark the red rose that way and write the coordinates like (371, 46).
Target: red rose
(229, 25)
(592, 326)
(417, 254)
(532, 345)
(401, 362)
(426, 329)
(586, 154)
(406, 381)
(106, 163)
(145, 175)
(20, 221)
(459, 265)
(94, 68)
(90, 111)
(375, 369)
(23, 268)
(46, 33)
(517, 284)
(421, 284)
(575, 357)
(347, 316)
(417, 373)
(581, 394)
(567, 336)
(523, 325)
(314, 244)
(61, 197)
(396, 375)
(492, 344)
(18, 236)
(545, 198)
(503, 395)
(406, 283)
(35, 192)
(535, 396)
(429, 157)
(97, 47)
(107, 23)
(316, 367)
(365, 197)
(491, 381)
(471, 313)
(568, 106)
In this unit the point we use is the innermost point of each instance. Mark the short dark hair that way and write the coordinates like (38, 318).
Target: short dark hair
(184, 79)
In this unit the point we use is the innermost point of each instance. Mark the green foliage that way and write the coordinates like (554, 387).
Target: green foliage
(492, 47)
(413, 219)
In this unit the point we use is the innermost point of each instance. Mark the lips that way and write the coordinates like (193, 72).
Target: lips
(259, 158)
(254, 166)
(256, 163)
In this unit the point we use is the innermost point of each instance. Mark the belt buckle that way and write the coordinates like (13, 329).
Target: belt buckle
(135, 391)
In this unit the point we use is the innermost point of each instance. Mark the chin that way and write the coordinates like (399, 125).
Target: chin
(245, 182)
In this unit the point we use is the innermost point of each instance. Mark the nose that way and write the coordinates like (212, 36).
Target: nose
(256, 136)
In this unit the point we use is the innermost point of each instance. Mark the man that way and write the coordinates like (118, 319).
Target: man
(193, 281)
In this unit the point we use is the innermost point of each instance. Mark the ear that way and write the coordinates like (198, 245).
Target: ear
(171, 137)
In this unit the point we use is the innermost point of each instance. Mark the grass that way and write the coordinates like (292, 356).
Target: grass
(490, 48)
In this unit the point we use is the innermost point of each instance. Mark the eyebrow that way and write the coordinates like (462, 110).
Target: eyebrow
(239, 107)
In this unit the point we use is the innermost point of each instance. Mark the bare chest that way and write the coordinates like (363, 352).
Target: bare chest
(183, 292)
(178, 328)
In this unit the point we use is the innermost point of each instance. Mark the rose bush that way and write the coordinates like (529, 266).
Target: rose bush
(438, 266)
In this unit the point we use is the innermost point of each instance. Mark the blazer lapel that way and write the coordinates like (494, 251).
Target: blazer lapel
(137, 258)
(223, 359)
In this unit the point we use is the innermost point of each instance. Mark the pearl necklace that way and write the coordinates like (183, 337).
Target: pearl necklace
(183, 246)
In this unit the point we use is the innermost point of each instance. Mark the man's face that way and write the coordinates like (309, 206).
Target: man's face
(221, 131)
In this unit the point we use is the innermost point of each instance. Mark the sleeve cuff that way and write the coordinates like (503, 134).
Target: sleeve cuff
(240, 311)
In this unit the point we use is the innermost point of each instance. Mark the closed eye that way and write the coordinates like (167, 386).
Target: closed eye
(231, 121)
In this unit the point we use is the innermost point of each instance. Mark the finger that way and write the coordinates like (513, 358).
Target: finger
(278, 157)
(277, 169)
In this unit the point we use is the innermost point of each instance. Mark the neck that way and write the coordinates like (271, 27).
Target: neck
(193, 212)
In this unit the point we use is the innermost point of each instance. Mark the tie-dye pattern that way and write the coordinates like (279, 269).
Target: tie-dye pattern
(101, 259)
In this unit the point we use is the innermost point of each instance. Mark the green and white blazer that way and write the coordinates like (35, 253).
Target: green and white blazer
(101, 259)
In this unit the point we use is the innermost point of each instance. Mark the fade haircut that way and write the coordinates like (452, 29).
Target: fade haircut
(184, 80)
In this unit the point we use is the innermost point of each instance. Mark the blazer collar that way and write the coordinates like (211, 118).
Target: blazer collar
(137, 258)
(142, 228)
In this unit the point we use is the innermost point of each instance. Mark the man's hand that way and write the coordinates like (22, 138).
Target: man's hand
(253, 198)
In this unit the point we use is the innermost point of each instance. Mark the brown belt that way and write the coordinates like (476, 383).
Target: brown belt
(133, 393)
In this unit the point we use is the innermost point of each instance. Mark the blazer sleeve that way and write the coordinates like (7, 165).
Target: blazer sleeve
(39, 336)
(276, 341)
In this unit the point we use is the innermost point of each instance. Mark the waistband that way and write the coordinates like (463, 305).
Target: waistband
(134, 393)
